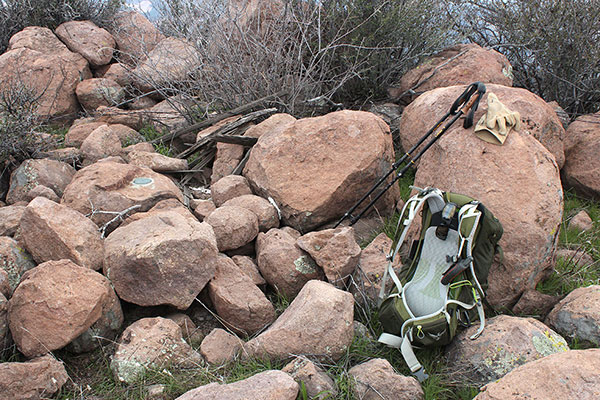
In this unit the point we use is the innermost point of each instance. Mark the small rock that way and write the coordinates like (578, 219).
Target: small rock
(371, 267)
(229, 187)
(57, 302)
(101, 143)
(53, 174)
(51, 231)
(10, 216)
(96, 92)
(575, 257)
(144, 146)
(275, 122)
(151, 343)
(219, 347)
(268, 385)
(203, 209)
(283, 264)
(14, 260)
(156, 391)
(376, 379)
(568, 375)
(506, 343)
(577, 316)
(248, 266)
(326, 334)
(5, 290)
(562, 115)
(238, 301)
(233, 226)
(227, 158)
(534, 303)
(134, 119)
(35, 379)
(189, 330)
(582, 222)
(142, 103)
(317, 383)
(157, 162)
(128, 135)
(334, 250)
(42, 191)
(265, 211)
(120, 74)
(5, 338)
(78, 133)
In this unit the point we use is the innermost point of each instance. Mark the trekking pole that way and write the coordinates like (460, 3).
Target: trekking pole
(466, 103)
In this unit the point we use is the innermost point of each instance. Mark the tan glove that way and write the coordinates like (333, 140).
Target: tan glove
(497, 122)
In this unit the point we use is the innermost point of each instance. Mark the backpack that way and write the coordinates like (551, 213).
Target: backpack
(444, 277)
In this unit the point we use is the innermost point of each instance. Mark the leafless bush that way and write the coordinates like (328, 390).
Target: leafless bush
(317, 52)
(18, 14)
(18, 121)
(553, 45)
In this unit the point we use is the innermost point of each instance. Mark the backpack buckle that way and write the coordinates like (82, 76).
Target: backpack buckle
(420, 374)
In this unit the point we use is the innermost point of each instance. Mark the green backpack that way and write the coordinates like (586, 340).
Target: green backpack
(443, 279)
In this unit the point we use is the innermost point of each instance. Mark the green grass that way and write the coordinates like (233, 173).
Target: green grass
(149, 132)
(569, 274)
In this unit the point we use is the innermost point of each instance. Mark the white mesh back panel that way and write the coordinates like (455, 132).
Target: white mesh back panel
(425, 294)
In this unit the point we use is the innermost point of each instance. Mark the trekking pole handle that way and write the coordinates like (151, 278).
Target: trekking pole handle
(468, 102)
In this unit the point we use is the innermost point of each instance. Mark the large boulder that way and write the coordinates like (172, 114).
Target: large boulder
(87, 39)
(582, 166)
(52, 231)
(36, 379)
(537, 117)
(461, 64)
(135, 36)
(376, 379)
(267, 385)
(113, 187)
(96, 92)
(51, 76)
(170, 62)
(238, 301)
(37, 38)
(334, 250)
(55, 175)
(577, 316)
(568, 375)
(318, 323)
(518, 181)
(317, 168)
(164, 258)
(506, 343)
(14, 260)
(283, 264)
(151, 343)
(58, 302)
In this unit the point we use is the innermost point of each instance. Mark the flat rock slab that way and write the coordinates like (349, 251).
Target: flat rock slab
(165, 258)
(268, 385)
